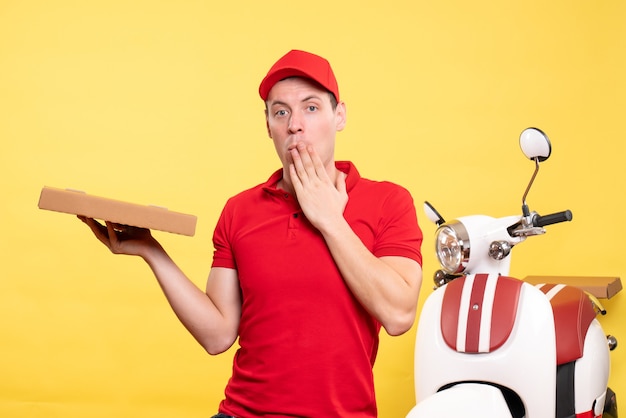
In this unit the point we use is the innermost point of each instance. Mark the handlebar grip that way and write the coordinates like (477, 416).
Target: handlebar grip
(553, 218)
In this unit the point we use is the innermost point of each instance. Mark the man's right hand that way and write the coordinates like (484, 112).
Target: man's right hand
(122, 239)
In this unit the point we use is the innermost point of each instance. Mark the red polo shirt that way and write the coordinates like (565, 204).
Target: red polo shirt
(307, 346)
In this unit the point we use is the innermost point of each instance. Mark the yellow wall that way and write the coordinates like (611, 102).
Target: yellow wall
(155, 102)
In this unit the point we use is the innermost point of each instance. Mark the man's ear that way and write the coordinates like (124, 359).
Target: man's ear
(267, 124)
(340, 116)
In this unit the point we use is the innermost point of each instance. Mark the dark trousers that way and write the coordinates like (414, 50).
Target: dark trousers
(220, 415)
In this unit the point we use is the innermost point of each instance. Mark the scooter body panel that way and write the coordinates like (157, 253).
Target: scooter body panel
(467, 400)
(592, 372)
(530, 347)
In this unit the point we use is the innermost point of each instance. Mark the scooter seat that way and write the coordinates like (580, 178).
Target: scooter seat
(573, 313)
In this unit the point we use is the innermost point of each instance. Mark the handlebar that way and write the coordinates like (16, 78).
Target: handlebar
(553, 218)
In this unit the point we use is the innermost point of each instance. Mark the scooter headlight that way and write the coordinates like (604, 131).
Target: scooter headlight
(452, 247)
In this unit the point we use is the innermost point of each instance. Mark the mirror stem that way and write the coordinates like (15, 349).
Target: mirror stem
(532, 180)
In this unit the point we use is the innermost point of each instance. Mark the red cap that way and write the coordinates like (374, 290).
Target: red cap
(300, 64)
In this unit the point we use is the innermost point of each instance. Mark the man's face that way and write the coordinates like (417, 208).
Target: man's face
(299, 110)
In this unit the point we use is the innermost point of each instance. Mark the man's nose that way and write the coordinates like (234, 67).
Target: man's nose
(295, 123)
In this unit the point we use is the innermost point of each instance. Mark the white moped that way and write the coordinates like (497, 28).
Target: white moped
(489, 345)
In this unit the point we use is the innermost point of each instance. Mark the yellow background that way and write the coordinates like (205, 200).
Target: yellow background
(155, 102)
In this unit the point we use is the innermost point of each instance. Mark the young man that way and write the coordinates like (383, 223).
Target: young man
(307, 265)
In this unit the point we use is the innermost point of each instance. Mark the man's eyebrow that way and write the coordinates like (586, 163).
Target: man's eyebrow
(312, 97)
(277, 102)
(306, 99)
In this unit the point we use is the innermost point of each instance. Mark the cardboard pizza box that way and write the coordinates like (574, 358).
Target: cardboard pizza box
(144, 216)
(599, 286)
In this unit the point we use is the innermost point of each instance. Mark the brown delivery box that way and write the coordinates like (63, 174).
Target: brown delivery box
(116, 211)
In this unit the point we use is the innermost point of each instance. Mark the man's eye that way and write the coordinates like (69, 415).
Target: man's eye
(312, 108)
(281, 113)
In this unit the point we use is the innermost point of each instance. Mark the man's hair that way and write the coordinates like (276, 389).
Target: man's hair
(333, 99)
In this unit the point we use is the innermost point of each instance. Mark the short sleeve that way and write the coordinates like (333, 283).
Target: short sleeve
(223, 254)
(399, 233)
